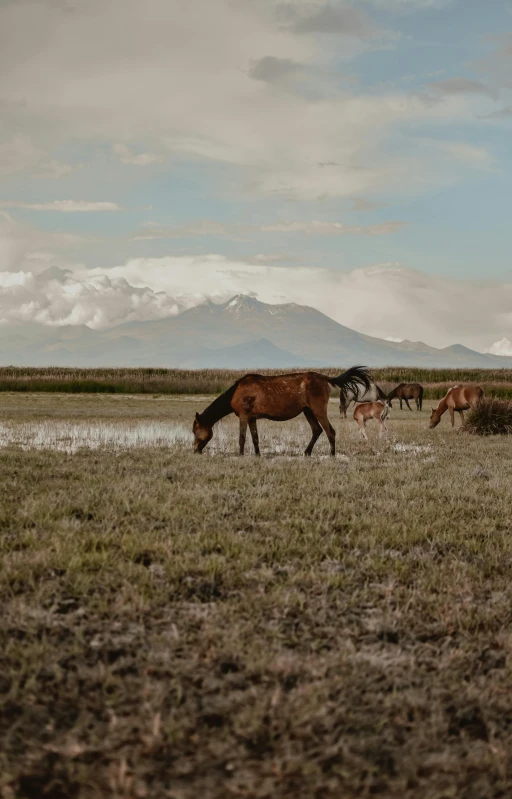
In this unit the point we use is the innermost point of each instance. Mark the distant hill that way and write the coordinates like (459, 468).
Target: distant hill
(241, 333)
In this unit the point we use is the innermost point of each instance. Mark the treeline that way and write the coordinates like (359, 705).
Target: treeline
(497, 382)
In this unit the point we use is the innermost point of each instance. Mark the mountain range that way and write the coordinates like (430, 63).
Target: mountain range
(241, 333)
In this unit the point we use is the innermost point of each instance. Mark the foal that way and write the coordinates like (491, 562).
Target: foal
(279, 398)
(371, 410)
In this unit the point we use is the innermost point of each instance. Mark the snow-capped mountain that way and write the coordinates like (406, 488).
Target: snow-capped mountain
(240, 333)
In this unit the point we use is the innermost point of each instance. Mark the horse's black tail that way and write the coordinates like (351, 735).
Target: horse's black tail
(351, 380)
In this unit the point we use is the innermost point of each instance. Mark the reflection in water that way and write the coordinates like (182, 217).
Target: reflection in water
(72, 436)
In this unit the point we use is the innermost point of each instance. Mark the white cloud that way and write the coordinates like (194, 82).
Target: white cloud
(207, 227)
(127, 156)
(501, 347)
(57, 298)
(65, 206)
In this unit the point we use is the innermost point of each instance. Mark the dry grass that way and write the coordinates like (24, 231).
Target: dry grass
(176, 626)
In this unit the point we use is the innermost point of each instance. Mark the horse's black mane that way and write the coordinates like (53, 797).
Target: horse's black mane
(220, 407)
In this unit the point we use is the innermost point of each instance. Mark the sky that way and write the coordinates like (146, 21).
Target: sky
(354, 156)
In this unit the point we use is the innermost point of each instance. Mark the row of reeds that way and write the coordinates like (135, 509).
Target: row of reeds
(497, 383)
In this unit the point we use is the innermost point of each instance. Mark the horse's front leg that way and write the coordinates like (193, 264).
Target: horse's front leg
(254, 436)
(243, 433)
(462, 419)
(407, 403)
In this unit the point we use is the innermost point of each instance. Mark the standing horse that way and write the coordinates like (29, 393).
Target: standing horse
(279, 398)
(405, 392)
(371, 410)
(458, 398)
(373, 393)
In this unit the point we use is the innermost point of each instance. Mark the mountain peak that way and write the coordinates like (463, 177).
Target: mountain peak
(242, 302)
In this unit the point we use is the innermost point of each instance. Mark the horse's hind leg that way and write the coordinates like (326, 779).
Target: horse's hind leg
(329, 432)
(316, 430)
(407, 403)
(254, 436)
(462, 419)
(243, 432)
(362, 428)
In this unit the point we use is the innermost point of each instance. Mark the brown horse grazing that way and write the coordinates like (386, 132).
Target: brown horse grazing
(458, 398)
(371, 410)
(405, 392)
(279, 398)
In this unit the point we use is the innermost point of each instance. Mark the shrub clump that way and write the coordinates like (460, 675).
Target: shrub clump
(490, 417)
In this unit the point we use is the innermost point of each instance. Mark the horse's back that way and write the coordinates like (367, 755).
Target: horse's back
(464, 396)
(367, 410)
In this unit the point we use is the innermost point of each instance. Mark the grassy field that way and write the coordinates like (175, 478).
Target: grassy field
(497, 383)
(181, 626)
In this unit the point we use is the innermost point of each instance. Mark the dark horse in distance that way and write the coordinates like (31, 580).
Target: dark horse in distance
(405, 392)
(279, 398)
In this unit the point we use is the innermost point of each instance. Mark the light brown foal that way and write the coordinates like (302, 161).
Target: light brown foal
(371, 410)
(458, 398)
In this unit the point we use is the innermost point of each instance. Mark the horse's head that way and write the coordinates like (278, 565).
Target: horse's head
(203, 433)
(435, 418)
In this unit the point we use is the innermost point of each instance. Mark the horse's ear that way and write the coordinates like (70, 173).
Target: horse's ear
(197, 417)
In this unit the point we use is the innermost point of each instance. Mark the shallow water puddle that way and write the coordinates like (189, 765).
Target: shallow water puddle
(70, 437)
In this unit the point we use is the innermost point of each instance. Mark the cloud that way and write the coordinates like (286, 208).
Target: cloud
(463, 86)
(501, 113)
(361, 204)
(54, 169)
(384, 300)
(65, 206)
(207, 227)
(320, 228)
(127, 156)
(501, 347)
(340, 19)
(57, 298)
(271, 69)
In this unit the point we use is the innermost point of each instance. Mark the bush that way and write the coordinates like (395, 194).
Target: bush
(491, 417)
